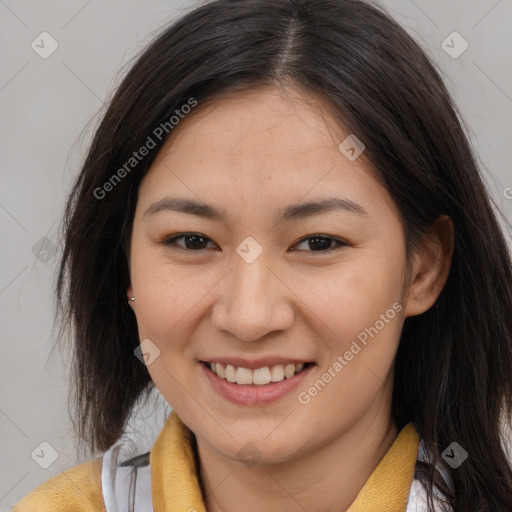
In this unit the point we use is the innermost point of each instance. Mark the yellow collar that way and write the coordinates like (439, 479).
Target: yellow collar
(175, 485)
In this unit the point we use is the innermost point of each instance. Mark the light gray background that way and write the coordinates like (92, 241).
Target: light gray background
(45, 105)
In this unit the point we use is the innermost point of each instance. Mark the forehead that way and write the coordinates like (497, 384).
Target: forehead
(265, 121)
(268, 143)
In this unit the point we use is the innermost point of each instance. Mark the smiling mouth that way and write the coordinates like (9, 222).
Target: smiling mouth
(257, 377)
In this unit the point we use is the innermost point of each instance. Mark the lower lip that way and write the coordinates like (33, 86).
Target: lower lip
(255, 395)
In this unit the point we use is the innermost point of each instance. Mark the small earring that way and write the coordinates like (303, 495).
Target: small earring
(132, 298)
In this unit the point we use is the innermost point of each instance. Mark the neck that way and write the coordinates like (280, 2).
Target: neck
(327, 479)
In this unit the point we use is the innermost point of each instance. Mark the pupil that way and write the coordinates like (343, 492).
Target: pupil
(323, 242)
(196, 243)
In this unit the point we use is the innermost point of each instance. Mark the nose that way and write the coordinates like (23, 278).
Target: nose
(253, 301)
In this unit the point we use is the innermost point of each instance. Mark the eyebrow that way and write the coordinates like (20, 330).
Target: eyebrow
(294, 211)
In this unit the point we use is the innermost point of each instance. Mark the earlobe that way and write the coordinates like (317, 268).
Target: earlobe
(431, 267)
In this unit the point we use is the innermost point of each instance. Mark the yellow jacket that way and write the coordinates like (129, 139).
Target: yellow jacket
(175, 485)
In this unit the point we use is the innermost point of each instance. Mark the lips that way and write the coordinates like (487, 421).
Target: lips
(241, 392)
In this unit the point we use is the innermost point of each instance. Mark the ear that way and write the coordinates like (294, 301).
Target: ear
(431, 266)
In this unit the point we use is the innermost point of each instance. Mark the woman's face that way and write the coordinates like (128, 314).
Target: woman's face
(267, 283)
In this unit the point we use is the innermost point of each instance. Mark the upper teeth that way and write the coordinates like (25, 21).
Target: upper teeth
(260, 376)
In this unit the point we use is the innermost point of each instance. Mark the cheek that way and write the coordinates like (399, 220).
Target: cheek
(166, 294)
(361, 319)
(353, 295)
(359, 332)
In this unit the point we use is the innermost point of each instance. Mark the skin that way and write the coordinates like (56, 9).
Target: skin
(253, 153)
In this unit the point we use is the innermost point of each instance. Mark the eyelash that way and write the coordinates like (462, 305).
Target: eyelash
(171, 242)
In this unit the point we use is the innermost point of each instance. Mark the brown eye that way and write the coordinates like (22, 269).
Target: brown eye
(192, 241)
(318, 243)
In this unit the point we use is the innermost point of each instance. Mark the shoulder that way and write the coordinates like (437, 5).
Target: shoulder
(77, 489)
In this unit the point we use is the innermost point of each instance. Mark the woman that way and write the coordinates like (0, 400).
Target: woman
(280, 224)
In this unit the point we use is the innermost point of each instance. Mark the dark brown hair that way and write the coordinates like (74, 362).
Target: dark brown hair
(453, 372)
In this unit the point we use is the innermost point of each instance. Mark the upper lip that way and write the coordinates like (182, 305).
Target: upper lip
(254, 364)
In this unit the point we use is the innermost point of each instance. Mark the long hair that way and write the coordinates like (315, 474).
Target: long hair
(453, 372)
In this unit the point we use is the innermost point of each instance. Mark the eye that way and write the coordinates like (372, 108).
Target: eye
(193, 241)
(320, 243)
